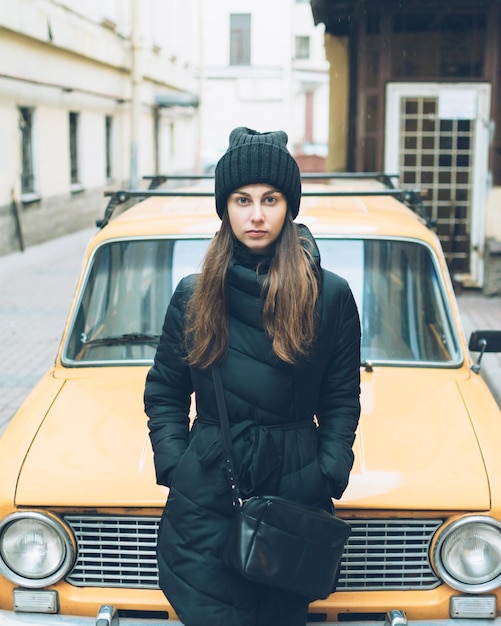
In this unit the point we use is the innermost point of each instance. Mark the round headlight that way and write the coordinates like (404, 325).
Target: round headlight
(35, 549)
(468, 554)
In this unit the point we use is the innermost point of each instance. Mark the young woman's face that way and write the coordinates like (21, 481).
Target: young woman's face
(257, 214)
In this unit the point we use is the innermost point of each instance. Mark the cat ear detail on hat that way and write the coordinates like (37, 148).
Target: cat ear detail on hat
(253, 157)
(242, 135)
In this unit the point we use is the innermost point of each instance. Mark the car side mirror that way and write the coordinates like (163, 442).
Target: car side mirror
(484, 341)
(492, 340)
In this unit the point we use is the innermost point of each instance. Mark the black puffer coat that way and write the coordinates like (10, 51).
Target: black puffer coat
(278, 449)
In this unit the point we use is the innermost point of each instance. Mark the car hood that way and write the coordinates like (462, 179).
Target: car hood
(416, 446)
(415, 449)
(93, 448)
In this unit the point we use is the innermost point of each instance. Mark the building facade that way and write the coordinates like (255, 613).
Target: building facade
(415, 90)
(93, 95)
(263, 65)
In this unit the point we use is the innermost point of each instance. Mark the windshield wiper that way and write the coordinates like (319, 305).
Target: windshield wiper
(126, 339)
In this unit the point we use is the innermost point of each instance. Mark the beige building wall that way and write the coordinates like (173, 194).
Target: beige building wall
(58, 57)
(338, 57)
(493, 221)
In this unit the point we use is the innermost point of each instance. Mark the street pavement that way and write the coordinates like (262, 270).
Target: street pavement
(481, 312)
(36, 288)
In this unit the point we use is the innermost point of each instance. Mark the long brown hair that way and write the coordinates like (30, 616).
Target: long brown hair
(290, 291)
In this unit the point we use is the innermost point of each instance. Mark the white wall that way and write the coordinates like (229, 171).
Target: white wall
(493, 214)
(60, 55)
(268, 94)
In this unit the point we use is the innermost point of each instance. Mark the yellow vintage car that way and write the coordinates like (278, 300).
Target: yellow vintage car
(79, 507)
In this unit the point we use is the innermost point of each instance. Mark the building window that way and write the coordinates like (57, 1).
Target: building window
(27, 168)
(302, 47)
(240, 39)
(74, 169)
(109, 146)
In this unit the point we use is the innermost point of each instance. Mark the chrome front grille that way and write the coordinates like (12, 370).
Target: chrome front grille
(380, 554)
(388, 554)
(115, 551)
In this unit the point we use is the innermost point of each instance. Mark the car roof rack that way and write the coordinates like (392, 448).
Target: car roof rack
(410, 197)
(386, 179)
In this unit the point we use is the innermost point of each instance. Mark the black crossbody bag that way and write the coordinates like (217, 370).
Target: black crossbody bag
(278, 542)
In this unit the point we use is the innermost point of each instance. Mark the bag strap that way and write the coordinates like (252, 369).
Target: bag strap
(226, 434)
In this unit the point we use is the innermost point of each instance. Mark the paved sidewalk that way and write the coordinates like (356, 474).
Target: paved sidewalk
(480, 312)
(36, 287)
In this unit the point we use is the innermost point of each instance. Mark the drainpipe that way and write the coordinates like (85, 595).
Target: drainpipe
(136, 80)
(17, 219)
(288, 75)
(201, 78)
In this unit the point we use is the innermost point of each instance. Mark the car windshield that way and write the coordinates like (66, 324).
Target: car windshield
(404, 315)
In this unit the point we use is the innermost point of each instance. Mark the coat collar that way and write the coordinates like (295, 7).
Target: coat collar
(262, 263)
(247, 272)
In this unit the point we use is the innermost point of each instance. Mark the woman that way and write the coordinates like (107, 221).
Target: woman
(286, 335)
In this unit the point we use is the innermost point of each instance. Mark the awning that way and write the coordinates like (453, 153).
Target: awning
(335, 14)
(177, 99)
(339, 15)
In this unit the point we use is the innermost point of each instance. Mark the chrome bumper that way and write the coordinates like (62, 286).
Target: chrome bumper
(397, 617)
(107, 616)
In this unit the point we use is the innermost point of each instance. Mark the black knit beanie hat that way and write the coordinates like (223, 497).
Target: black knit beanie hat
(252, 158)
